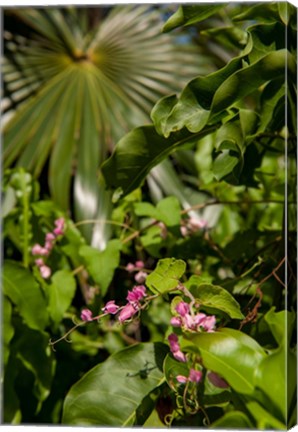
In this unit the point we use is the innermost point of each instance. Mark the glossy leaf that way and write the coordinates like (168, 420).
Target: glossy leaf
(137, 153)
(61, 293)
(233, 420)
(263, 418)
(125, 377)
(21, 288)
(281, 389)
(102, 264)
(215, 297)
(191, 14)
(272, 66)
(8, 329)
(232, 354)
(166, 275)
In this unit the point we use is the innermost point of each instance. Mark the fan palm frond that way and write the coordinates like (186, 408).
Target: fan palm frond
(71, 94)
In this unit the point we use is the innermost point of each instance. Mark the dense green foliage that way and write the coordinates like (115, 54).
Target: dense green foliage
(186, 317)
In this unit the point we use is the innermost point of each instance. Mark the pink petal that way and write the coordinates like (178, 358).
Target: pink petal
(181, 379)
(127, 312)
(86, 315)
(195, 375)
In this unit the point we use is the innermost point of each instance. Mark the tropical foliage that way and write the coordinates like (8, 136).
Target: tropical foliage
(186, 316)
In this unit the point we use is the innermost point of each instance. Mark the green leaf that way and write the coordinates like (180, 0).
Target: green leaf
(233, 420)
(138, 152)
(8, 329)
(232, 354)
(280, 364)
(167, 211)
(11, 404)
(281, 325)
(270, 67)
(169, 208)
(263, 418)
(110, 393)
(191, 14)
(61, 293)
(166, 275)
(21, 288)
(215, 297)
(102, 264)
(40, 360)
(224, 164)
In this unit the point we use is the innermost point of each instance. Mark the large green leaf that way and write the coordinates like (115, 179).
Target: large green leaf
(110, 393)
(231, 353)
(61, 293)
(22, 289)
(215, 297)
(233, 420)
(102, 264)
(280, 364)
(166, 275)
(138, 152)
(263, 418)
(191, 14)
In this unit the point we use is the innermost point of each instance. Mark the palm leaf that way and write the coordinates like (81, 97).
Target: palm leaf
(73, 94)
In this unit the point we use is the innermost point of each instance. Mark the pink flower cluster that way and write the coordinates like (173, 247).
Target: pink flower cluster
(192, 322)
(192, 225)
(194, 376)
(133, 305)
(45, 250)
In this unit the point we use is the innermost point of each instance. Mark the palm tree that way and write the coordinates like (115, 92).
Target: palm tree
(74, 81)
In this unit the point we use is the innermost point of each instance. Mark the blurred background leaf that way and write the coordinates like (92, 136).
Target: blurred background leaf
(75, 80)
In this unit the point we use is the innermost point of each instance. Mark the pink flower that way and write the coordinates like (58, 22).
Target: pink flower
(59, 223)
(195, 376)
(130, 267)
(190, 322)
(209, 323)
(140, 277)
(127, 312)
(37, 249)
(137, 293)
(175, 348)
(182, 308)
(139, 264)
(217, 381)
(180, 356)
(39, 262)
(48, 245)
(196, 224)
(173, 341)
(111, 307)
(199, 318)
(50, 237)
(181, 379)
(176, 322)
(184, 231)
(86, 315)
(45, 271)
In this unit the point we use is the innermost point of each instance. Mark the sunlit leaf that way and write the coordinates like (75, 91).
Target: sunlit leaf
(166, 275)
